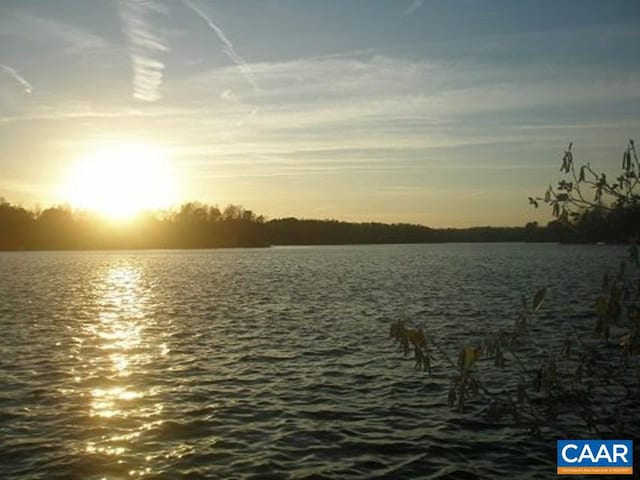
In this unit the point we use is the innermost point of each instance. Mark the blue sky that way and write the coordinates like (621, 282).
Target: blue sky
(446, 113)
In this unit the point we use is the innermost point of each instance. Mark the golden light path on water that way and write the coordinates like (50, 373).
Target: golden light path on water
(122, 404)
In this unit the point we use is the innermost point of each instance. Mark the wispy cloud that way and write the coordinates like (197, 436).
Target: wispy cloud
(146, 48)
(315, 110)
(17, 77)
(415, 5)
(228, 47)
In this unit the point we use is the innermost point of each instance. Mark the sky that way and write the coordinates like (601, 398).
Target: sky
(443, 113)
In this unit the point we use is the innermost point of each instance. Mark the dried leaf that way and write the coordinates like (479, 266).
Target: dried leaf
(469, 356)
(416, 337)
(538, 298)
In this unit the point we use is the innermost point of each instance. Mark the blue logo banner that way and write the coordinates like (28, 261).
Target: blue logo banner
(613, 457)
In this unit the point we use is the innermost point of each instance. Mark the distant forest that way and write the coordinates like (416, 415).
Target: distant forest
(195, 225)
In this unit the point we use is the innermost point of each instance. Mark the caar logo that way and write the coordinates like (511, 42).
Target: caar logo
(595, 457)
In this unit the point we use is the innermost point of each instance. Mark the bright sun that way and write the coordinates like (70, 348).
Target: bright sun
(121, 180)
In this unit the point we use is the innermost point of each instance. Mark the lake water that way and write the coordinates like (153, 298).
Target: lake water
(266, 363)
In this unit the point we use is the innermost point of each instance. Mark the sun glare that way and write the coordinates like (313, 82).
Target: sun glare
(121, 180)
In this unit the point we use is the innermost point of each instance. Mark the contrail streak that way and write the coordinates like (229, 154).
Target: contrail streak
(146, 49)
(228, 48)
(18, 78)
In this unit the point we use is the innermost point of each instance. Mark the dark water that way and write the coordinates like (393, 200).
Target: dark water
(267, 363)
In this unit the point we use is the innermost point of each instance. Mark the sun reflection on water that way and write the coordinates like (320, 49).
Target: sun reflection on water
(122, 352)
(104, 401)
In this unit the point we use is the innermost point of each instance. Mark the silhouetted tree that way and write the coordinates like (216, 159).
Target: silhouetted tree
(594, 207)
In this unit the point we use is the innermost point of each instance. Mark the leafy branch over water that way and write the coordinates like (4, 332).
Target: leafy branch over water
(590, 382)
(588, 377)
(588, 202)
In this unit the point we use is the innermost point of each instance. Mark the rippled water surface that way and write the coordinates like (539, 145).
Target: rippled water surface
(269, 363)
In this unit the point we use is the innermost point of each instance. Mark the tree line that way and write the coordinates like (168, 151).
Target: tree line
(192, 225)
(197, 225)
